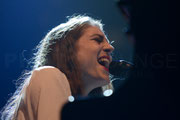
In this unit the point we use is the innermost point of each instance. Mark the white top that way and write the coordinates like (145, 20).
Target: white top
(45, 95)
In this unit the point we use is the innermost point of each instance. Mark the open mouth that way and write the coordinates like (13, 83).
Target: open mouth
(104, 61)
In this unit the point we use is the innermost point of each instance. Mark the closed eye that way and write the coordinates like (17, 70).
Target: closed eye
(98, 40)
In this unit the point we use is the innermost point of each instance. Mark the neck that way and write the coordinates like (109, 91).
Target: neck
(88, 86)
(86, 90)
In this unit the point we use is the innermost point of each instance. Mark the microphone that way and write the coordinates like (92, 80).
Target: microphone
(120, 68)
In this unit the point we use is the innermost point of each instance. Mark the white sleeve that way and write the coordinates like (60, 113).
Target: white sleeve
(45, 95)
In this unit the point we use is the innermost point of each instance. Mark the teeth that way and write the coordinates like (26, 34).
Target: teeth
(105, 62)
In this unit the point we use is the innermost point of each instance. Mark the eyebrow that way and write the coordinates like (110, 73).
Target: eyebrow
(101, 36)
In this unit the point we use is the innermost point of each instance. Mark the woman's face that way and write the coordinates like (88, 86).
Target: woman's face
(93, 55)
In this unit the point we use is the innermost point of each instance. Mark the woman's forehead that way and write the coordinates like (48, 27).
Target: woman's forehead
(94, 31)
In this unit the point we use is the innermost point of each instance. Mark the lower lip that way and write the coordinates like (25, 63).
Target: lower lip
(106, 69)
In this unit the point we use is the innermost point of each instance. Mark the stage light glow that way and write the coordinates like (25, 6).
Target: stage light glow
(108, 92)
(71, 99)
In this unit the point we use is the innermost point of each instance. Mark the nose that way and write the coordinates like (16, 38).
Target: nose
(108, 48)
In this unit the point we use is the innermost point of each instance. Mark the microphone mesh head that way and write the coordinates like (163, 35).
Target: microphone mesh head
(120, 68)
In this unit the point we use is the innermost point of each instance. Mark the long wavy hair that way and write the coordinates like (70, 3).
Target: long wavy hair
(56, 49)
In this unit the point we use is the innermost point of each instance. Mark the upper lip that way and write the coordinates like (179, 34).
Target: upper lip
(107, 57)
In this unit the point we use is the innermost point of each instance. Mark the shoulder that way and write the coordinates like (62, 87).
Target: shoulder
(48, 90)
(48, 77)
(47, 69)
(47, 72)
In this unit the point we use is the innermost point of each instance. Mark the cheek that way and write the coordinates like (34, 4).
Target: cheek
(82, 57)
(87, 55)
(88, 63)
